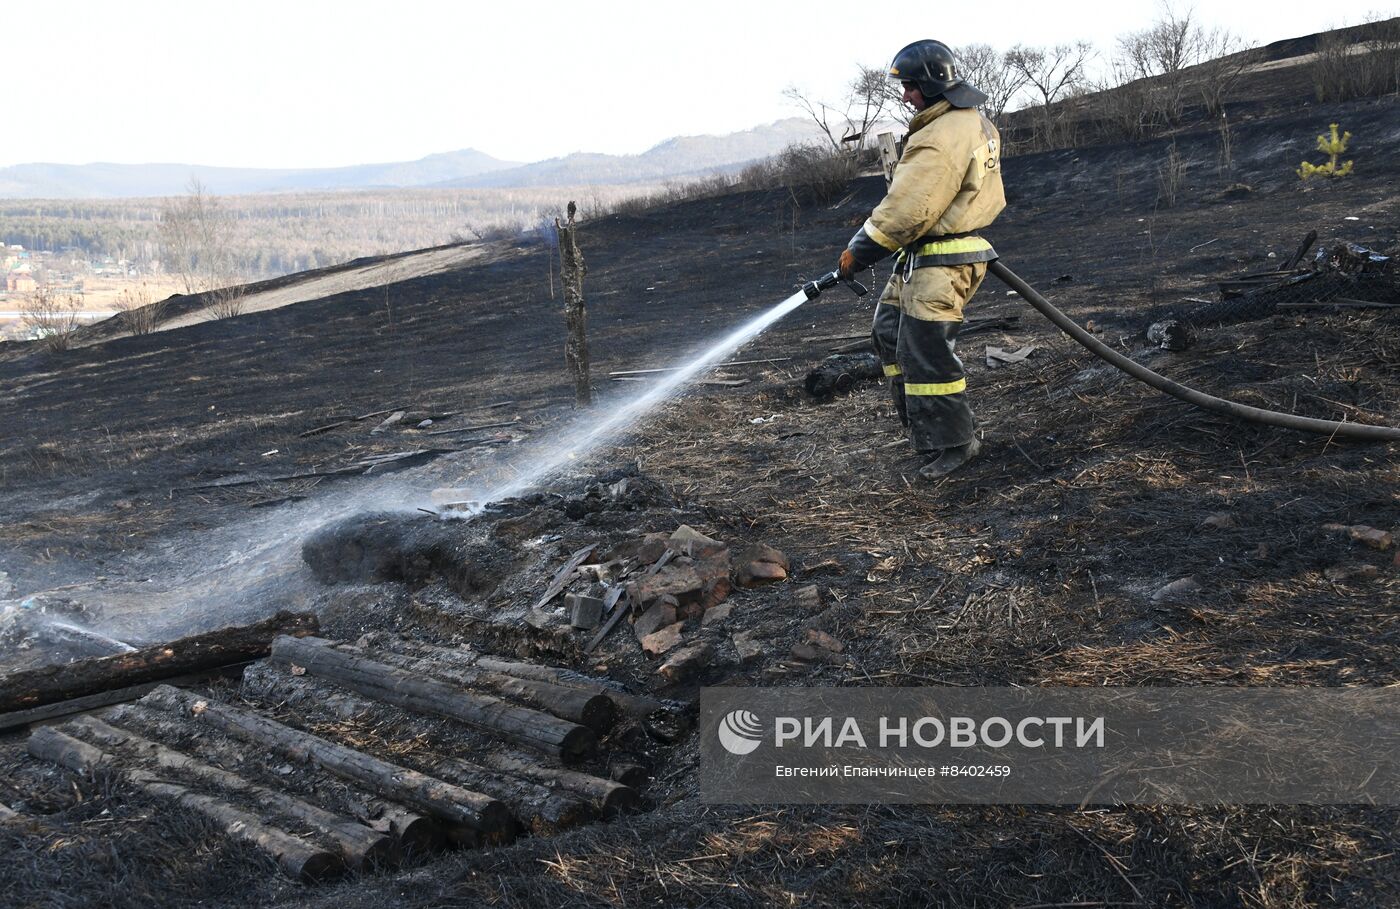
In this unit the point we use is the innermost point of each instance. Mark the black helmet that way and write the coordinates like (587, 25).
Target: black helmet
(930, 65)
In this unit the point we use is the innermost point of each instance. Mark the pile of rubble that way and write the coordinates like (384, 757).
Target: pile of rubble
(673, 588)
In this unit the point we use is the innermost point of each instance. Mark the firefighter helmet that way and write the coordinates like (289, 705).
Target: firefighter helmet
(930, 65)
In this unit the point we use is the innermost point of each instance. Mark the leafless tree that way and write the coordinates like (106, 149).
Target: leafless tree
(986, 67)
(197, 235)
(1121, 101)
(1053, 73)
(1226, 58)
(846, 124)
(1163, 51)
(195, 232)
(138, 312)
(49, 317)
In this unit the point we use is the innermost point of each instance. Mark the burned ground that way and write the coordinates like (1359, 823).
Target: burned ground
(1038, 565)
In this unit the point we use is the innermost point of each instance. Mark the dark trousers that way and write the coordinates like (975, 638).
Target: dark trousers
(915, 333)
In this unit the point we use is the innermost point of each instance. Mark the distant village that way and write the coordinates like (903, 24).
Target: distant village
(65, 274)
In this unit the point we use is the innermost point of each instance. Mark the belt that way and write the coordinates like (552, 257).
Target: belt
(946, 249)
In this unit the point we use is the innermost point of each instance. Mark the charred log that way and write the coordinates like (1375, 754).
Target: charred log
(608, 796)
(467, 814)
(522, 725)
(539, 809)
(298, 858)
(361, 847)
(591, 709)
(237, 644)
(411, 830)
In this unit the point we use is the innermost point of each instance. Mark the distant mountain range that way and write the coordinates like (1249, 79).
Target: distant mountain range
(683, 156)
(95, 181)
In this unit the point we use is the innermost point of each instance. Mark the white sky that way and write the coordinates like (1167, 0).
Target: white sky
(311, 83)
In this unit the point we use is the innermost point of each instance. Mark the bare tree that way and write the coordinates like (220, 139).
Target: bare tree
(1226, 57)
(49, 317)
(846, 124)
(986, 68)
(197, 238)
(138, 312)
(1121, 101)
(1053, 73)
(194, 231)
(1164, 50)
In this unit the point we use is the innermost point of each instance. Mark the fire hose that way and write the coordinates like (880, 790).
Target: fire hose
(1332, 428)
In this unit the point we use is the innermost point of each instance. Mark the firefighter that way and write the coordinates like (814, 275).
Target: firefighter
(946, 187)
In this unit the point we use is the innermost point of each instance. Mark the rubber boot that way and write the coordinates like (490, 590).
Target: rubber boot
(950, 460)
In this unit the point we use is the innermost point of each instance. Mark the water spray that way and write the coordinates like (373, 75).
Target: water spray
(576, 442)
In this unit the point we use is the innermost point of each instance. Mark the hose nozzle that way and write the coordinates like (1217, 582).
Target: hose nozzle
(813, 289)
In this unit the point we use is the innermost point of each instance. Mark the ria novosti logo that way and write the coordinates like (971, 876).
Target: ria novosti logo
(740, 732)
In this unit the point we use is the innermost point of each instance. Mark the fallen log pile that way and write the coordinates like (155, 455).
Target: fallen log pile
(338, 756)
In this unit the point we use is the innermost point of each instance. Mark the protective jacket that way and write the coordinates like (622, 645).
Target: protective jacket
(946, 186)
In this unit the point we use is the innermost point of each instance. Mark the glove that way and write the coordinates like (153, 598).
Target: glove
(847, 265)
(861, 253)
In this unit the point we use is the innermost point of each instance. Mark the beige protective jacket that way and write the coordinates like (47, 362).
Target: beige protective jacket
(948, 181)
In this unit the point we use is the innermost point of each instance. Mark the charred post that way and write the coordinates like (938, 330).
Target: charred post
(572, 271)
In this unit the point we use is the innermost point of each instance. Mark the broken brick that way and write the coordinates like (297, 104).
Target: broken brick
(808, 597)
(680, 581)
(746, 646)
(686, 662)
(1178, 589)
(652, 547)
(762, 552)
(716, 615)
(1352, 573)
(811, 653)
(584, 611)
(691, 542)
(714, 577)
(822, 639)
(1376, 539)
(658, 642)
(756, 574)
(658, 615)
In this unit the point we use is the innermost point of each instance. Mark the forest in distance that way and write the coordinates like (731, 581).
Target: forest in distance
(276, 234)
